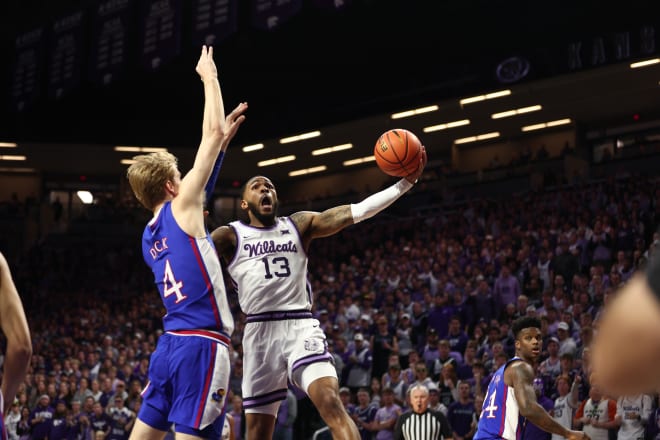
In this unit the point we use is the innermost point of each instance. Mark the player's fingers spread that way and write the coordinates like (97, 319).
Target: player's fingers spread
(210, 52)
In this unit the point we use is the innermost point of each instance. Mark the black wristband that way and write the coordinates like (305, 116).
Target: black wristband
(653, 274)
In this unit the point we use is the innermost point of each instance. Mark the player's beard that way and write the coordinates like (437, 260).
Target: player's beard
(264, 219)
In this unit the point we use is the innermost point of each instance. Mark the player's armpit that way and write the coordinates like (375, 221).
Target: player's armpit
(224, 239)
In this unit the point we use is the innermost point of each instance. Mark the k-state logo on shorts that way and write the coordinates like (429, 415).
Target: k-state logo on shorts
(314, 344)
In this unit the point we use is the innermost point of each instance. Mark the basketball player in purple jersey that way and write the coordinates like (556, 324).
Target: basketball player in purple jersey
(189, 370)
(511, 400)
(282, 343)
(19, 345)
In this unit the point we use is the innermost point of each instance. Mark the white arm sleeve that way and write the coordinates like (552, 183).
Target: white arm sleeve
(375, 203)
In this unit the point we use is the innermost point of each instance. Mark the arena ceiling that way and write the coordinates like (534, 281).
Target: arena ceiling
(343, 72)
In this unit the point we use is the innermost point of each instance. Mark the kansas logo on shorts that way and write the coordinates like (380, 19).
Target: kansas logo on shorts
(219, 395)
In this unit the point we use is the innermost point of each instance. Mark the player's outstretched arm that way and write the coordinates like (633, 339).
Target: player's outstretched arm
(217, 130)
(315, 225)
(522, 377)
(15, 327)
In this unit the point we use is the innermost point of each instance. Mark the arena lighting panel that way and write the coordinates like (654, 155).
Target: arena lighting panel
(334, 149)
(308, 171)
(543, 125)
(300, 137)
(446, 125)
(127, 161)
(17, 170)
(127, 149)
(86, 197)
(275, 161)
(359, 160)
(480, 137)
(518, 111)
(644, 63)
(12, 157)
(8, 145)
(480, 98)
(253, 147)
(417, 111)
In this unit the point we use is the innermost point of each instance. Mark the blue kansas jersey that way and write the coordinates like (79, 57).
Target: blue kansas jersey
(500, 417)
(188, 274)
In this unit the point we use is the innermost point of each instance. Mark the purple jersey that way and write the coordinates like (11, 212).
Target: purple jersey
(500, 417)
(188, 274)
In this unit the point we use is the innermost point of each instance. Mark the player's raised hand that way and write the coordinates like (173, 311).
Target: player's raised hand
(232, 122)
(205, 65)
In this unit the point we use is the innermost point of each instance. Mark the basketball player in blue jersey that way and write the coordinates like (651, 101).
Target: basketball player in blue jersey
(19, 345)
(189, 370)
(282, 343)
(511, 400)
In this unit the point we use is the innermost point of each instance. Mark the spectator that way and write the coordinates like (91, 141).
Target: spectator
(461, 413)
(633, 414)
(359, 364)
(533, 432)
(567, 344)
(386, 416)
(565, 404)
(383, 343)
(364, 414)
(597, 415)
(41, 418)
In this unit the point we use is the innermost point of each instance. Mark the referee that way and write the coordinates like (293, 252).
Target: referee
(421, 423)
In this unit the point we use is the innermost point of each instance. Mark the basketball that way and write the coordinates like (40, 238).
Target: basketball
(397, 152)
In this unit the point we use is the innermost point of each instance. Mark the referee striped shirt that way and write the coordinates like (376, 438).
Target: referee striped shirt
(429, 425)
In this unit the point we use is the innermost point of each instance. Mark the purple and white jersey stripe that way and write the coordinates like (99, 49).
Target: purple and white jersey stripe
(264, 399)
(278, 316)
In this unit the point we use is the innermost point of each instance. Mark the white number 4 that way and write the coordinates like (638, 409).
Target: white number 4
(171, 285)
(491, 408)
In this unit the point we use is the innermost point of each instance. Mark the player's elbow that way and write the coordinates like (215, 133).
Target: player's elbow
(527, 410)
(214, 133)
(20, 350)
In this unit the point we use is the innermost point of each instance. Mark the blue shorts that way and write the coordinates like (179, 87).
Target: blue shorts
(188, 383)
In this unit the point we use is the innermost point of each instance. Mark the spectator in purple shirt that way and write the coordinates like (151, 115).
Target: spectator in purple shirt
(506, 289)
(531, 431)
(41, 418)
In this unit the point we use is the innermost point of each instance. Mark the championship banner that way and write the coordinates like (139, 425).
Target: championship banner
(27, 68)
(332, 5)
(110, 45)
(270, 14)
(66, 50)
(213, 21)
(160, 28)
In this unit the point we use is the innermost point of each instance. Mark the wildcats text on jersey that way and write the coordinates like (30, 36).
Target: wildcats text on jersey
(269, 247)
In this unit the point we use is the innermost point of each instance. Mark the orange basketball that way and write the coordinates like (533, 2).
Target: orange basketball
(397, 152)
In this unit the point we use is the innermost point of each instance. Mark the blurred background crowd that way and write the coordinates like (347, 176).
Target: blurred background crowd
(404, 298)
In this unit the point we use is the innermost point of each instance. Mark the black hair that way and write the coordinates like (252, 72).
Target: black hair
(523, 323)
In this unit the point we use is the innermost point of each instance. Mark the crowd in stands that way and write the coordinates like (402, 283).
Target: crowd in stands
(403, 301)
